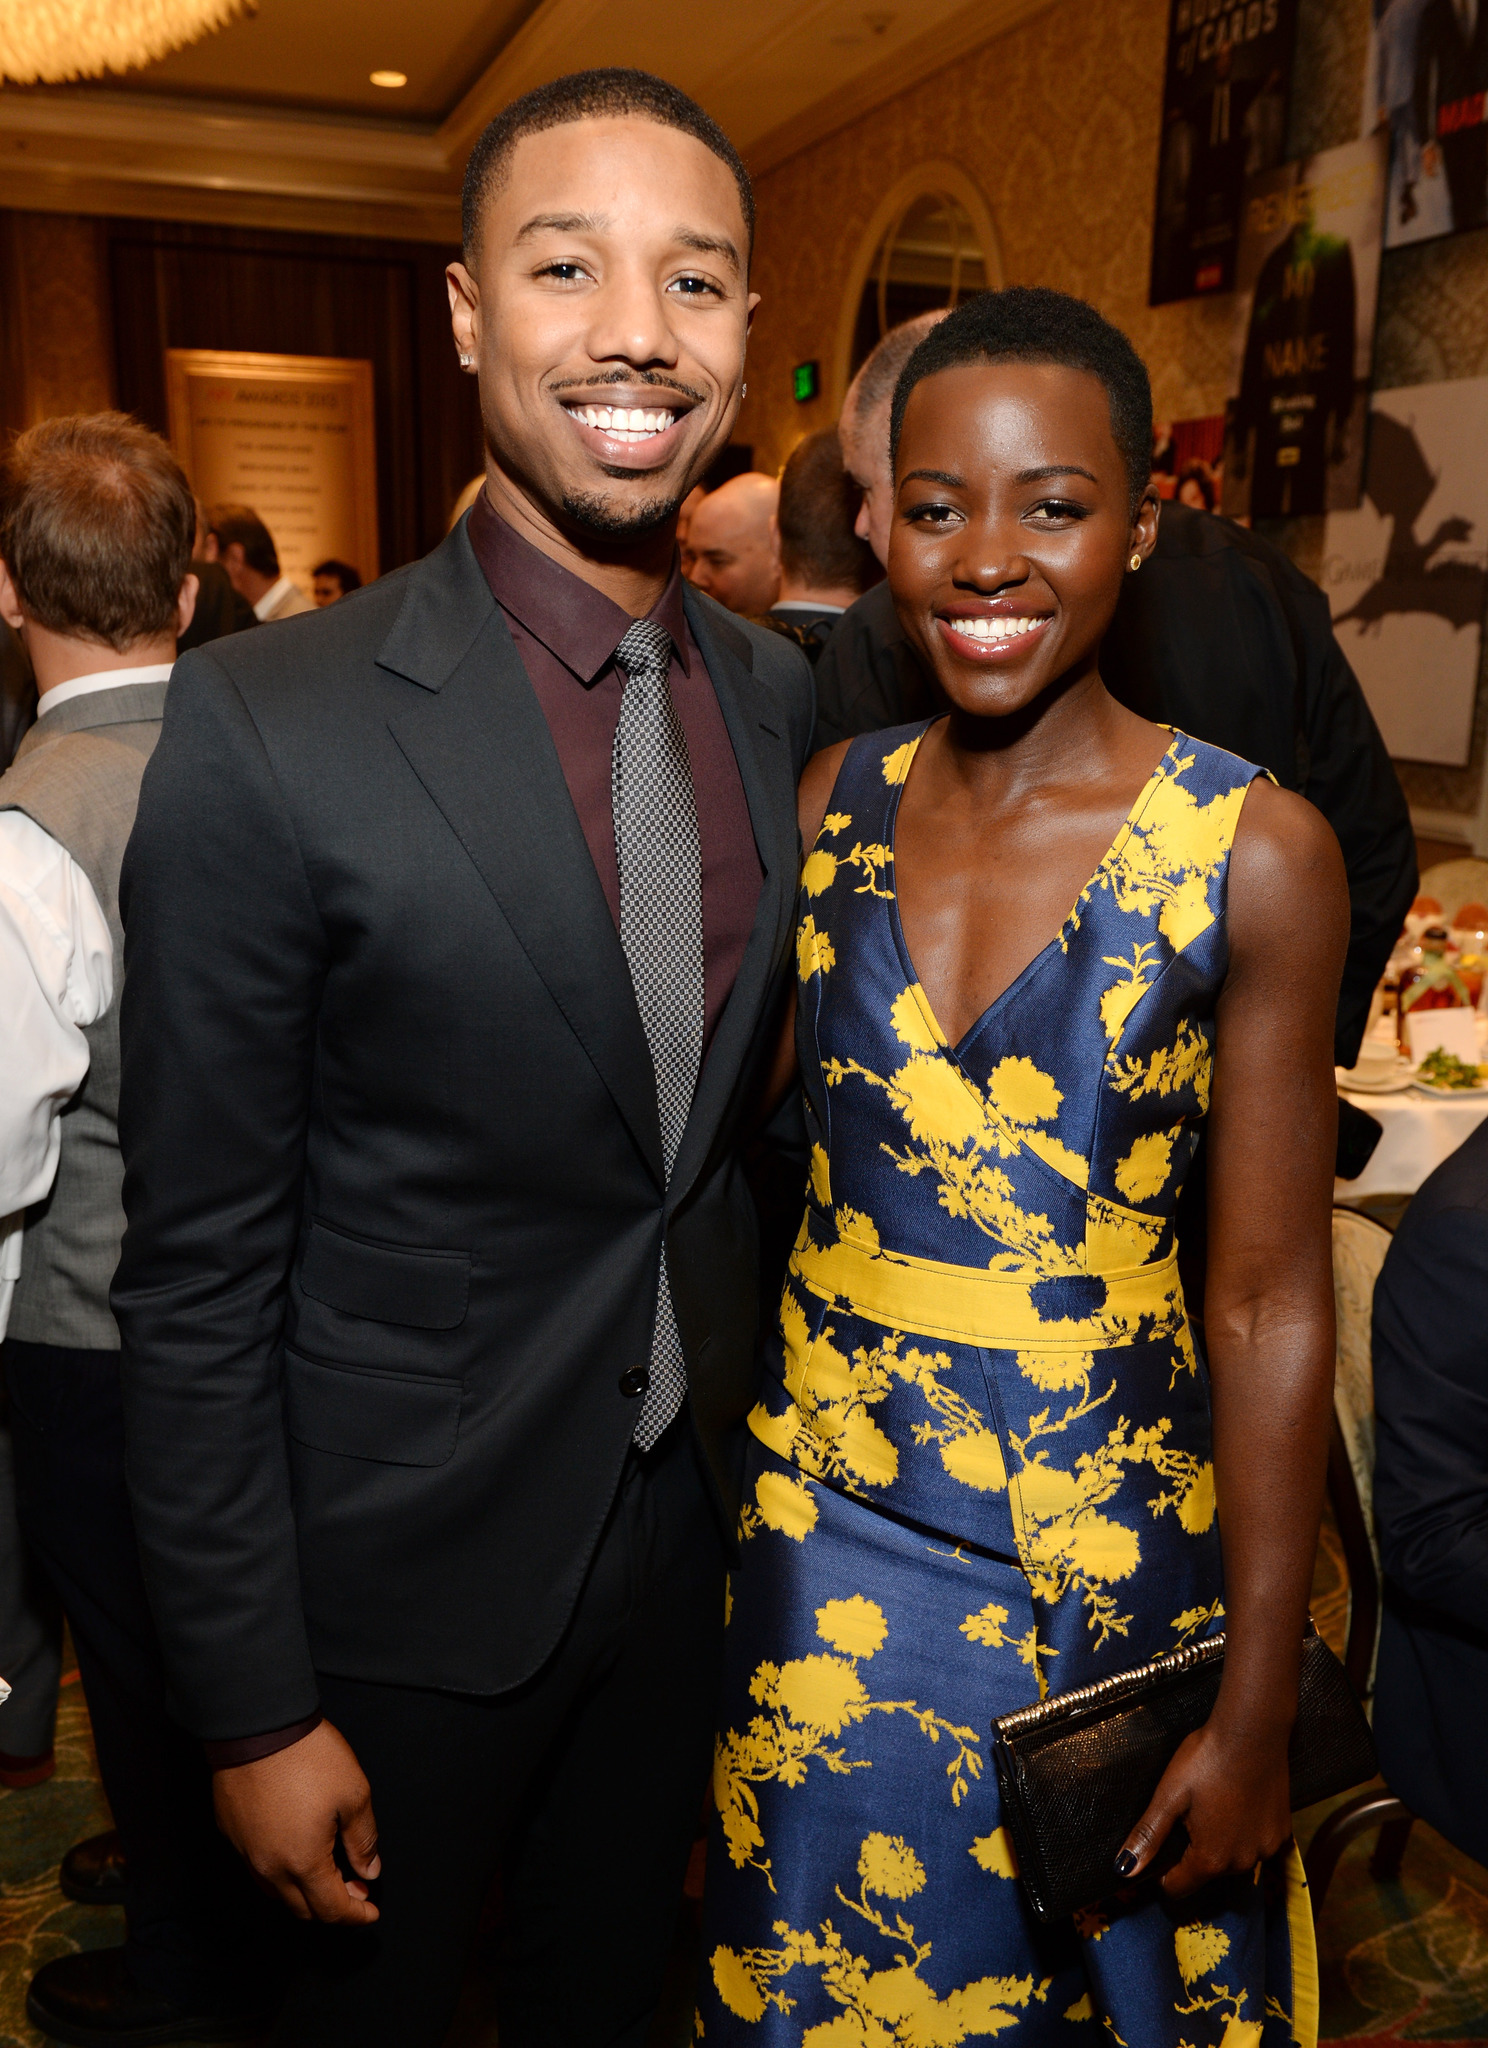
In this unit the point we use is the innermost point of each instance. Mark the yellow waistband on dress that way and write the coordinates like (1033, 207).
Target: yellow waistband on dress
(964, 1304)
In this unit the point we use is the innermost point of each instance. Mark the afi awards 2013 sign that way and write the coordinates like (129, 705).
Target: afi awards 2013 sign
(289, 436)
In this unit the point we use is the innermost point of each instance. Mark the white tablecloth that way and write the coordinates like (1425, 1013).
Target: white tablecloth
(1420, 1132)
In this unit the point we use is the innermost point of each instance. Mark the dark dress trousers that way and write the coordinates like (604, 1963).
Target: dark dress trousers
(1431, 1500)
(1219, 634)
(396, 1208)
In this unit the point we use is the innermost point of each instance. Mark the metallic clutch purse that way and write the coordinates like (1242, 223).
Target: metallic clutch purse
(1077, 1771)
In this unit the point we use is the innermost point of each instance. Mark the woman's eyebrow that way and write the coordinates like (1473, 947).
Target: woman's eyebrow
(1038, 476)
(934, 476)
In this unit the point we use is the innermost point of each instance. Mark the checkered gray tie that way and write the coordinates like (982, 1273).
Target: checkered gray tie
(661, 930)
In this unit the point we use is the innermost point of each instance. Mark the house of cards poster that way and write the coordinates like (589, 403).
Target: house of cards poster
(1225, 93)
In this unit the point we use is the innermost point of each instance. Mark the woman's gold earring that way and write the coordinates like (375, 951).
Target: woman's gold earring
(1136, 561)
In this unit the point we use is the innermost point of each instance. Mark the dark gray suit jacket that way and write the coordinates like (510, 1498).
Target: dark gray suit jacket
(394, 1176)
(1431, 1499)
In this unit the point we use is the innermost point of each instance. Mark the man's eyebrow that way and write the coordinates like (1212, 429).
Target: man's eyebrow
(563, 224)
(934, 476)
(709, 245)
(1038, 476)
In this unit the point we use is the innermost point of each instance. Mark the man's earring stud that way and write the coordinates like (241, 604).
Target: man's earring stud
(1136, 561)
(466, 361)
(743, 390)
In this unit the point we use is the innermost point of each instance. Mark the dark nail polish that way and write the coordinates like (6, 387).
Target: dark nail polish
(1126, 1863)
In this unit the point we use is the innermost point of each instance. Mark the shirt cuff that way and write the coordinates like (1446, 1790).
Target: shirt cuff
(247, 1749)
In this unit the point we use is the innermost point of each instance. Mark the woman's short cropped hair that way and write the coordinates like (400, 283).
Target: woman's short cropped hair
(1030, 324)
(96, 527)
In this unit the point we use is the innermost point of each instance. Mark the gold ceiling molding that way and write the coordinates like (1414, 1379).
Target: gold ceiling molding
(182, 159)
(43, 42)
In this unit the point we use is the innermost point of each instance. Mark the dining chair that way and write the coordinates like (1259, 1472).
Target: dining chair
(1455, 882)
(1359, 1247)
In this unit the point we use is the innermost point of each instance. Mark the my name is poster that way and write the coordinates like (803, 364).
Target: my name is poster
(1307, 287)
(1225, 94)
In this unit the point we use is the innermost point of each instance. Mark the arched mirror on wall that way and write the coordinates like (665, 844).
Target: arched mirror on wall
(931, 244)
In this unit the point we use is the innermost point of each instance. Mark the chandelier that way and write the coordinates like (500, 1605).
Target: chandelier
(43, 42)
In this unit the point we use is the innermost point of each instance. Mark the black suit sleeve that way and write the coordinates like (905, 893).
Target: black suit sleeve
(224, 959)
(1352, 780)
(1431, 1413)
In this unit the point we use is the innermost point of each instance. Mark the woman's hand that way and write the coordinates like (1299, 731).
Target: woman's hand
(1232, 1794)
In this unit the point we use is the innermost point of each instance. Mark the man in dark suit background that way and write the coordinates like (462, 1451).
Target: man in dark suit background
(1431, 1499)
(458, 918)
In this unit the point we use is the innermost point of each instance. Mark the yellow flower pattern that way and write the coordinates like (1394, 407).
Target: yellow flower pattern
(981, 1466)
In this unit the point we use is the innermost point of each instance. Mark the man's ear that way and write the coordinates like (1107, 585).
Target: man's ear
(186, 603)
(464, 305)
(11, 609)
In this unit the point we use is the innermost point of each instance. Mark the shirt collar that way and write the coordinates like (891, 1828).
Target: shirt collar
(573, 620)
(271, 597)
(104, 679)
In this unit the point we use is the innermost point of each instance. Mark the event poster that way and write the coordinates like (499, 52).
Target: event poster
(1307, 284)
(1407, 573)
(1225, 92)
(290, 436)
(1428, 87)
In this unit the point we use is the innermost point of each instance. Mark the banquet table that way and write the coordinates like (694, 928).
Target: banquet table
(1420, 1131)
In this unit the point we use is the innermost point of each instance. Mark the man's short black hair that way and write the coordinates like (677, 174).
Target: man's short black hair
(1030, 324)
(343, 572)
(242, 524)
(591, 96)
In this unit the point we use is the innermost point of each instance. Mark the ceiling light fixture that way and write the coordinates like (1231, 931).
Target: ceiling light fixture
(391, 79)
(46, 42)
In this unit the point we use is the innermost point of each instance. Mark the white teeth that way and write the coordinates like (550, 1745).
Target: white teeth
(994, 629)
(625, 423)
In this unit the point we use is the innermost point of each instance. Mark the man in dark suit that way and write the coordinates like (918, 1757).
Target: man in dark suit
(458, 921)
(1431, 1499)
(1450, 110)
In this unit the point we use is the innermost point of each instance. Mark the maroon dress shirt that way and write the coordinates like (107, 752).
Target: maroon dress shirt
(566, 633)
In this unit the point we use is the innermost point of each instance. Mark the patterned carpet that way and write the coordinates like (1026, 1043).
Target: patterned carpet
(1402, 1962)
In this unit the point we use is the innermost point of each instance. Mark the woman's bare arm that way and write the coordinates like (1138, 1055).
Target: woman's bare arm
(1269, 1326)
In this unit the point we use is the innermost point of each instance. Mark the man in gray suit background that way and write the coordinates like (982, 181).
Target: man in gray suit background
(96, 526)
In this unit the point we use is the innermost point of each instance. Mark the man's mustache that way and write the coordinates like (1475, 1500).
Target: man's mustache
(647, 377)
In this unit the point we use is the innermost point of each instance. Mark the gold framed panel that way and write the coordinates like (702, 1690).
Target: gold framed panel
(291, 436)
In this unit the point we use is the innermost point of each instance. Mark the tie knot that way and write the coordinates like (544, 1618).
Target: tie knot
(646, 648)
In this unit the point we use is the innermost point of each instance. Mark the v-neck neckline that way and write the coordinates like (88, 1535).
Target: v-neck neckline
(1123, 833)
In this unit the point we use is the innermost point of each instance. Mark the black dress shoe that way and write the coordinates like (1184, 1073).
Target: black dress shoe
(91, 2000)
(95, 1873)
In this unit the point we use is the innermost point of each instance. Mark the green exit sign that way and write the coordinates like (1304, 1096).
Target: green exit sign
(805, 382)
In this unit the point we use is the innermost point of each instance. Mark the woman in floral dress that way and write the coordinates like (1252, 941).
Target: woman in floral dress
(1040, 942)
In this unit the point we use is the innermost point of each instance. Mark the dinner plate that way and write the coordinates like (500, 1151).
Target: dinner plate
(1451, 1094)
(1397, 1083)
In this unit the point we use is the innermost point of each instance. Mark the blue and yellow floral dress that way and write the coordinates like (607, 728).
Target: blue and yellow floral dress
(981, 1470)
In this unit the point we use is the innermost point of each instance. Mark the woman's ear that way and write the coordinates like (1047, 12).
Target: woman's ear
(1144, 526)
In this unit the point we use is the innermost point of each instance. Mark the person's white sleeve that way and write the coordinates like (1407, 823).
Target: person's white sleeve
(56, 975)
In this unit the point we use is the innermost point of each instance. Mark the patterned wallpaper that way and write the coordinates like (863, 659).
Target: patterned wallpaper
(1057, 123)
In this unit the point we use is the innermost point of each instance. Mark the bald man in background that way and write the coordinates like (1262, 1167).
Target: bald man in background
(733, 544)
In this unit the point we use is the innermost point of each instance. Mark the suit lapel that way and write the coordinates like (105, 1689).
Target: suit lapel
(757, 730)
(476, 738)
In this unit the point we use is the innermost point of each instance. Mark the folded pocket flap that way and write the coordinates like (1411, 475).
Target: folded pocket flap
(386, 1283)
(393, 1418)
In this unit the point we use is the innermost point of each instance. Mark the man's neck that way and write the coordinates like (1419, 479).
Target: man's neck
(632, 573)
(254, 586)
(792, 592)
(59, 658)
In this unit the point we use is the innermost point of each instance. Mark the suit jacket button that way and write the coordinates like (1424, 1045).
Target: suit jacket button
(635, 1381)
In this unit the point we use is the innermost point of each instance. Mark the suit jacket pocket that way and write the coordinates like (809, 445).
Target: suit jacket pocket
(386, 1283)
(394, 1418)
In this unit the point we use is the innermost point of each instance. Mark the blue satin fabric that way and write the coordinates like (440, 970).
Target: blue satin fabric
(981, 1470)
